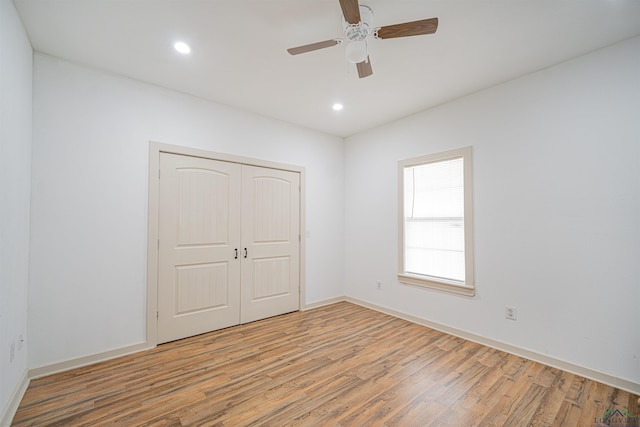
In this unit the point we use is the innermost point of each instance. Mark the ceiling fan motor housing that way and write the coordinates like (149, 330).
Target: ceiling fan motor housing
(361, 30)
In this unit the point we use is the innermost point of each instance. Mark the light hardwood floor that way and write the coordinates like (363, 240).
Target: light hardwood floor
(336, 365)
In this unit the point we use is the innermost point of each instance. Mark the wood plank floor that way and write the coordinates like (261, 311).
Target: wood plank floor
(336, 365)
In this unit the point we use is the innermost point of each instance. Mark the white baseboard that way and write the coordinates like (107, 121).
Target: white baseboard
(10, 410)
(592, 374)
(54, 368)
(322, 303)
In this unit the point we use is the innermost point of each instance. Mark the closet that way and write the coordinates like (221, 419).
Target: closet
(229, 244)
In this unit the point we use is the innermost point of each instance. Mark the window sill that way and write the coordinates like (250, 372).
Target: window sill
(437, 284)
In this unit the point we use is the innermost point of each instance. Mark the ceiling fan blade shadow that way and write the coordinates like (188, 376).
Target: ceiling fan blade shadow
(414, 28)
(313, 46)
(364, 68)
(350, 10)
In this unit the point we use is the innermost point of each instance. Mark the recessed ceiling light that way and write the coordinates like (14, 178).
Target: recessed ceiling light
(337, 106)
(182, 47)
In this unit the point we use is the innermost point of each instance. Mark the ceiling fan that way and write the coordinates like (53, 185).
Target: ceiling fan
(357, 24)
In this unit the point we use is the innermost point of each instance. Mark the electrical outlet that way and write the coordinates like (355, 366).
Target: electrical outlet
(379, 285)
(12, 352)
(510, 313)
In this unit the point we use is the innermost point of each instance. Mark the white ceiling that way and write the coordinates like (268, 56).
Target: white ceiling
(239, 55)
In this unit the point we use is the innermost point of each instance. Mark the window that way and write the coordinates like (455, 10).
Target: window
(435, 221)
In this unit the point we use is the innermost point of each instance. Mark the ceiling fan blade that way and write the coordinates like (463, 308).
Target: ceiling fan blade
(350, 10)
(364, 68)
(415, 28)
(313, 46)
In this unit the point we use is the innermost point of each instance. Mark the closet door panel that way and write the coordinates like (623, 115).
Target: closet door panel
(270, 242)
(199, 229)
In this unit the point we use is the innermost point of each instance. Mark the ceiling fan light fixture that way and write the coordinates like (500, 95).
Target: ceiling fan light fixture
(356, 51)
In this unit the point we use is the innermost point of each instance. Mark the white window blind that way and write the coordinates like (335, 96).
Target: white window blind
(436, 247)
(434, 219)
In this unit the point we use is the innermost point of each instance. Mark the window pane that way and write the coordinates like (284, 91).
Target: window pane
(434, 219)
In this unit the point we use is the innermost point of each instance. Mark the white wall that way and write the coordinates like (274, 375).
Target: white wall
(16, 58)
(557, 211)
(89, 199)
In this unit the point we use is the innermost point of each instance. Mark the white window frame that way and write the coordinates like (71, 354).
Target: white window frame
(466, 287)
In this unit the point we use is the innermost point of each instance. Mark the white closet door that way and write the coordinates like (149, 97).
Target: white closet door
(270, 242)
(199, 230)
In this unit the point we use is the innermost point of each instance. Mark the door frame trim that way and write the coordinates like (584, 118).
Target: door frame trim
(155, 148)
